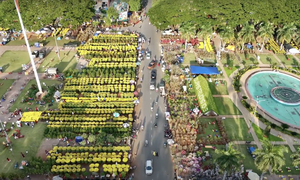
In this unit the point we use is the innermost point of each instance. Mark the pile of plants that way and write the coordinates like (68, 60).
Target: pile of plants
(72, 161)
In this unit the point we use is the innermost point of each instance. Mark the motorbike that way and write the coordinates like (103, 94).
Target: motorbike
(155, 125)
(155, 153)
(156, 115)
(165, 144)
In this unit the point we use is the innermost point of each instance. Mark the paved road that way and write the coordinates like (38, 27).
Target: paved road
(162, 165)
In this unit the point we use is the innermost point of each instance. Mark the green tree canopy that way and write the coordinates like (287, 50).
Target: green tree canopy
(36, 14)
(229, 160)
(219, 12)
(296, 157)
(112, 13)
(270, 157)
(135, 5)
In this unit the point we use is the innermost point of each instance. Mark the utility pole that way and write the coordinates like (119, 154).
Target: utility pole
(57, 50)
(28, 48)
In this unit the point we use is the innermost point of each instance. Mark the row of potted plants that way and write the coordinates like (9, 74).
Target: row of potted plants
(90, 81)
(104, 88)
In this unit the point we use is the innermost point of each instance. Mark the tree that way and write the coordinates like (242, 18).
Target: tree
(265, 32)
(286, 33)
(101, 138)
(246, 34)
(135, 5)
(187, 31)
(227, 35)
(296, 157)
(229, 160)
(37, 14)
(92, 138)
(112, 13)
(270, 157)
(110, 138)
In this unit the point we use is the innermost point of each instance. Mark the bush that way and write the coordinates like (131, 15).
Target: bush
(245, 97)
(285, 126)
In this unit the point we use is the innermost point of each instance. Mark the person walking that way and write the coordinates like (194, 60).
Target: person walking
(22, 155)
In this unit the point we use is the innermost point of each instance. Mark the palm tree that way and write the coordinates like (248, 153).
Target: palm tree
(286, 33)
(265, 32)
(205, 31)
(246, 34)
(227, 35)
(270, 157)
(296, 157)
(187, 30)
(229, 160)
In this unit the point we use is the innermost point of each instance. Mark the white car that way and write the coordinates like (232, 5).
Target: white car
(148, 55)
(149, 167)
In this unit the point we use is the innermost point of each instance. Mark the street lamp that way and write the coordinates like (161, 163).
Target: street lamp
(28, 48)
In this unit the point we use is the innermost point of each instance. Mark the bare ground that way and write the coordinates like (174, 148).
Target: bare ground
(47, 144)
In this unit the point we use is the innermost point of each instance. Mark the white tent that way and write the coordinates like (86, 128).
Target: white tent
(294, 51)
(253, 176)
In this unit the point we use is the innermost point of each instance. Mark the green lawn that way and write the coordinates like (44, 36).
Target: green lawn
(251, 59)
(4, 85)
(260, 134)
(11, 61)
(283, 59)
(237, 130)
(31, 142)
(189, 59)
(18, 103)
(68, 61)
(229, 71)
(220, 89)
(209, 130)
(267, 59)
(248, 161)
(226, 107)
(48, 42)
(288, 163)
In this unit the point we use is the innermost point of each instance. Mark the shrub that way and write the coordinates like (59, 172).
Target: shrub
(285, 126)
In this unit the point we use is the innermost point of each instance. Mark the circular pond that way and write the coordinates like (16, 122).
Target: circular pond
(277, 94)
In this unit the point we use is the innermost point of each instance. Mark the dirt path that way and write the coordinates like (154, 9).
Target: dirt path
(47, 144)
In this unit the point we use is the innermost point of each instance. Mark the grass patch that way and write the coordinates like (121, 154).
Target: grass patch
(11, 61)
(189, 58)
(48, 42)
(18, 103)
(4, 85)
(220, 89)
(286, 62)
(267, 59)
(248, 161)
(260, 134)
(237, 129)
(250, 59)
(68, 61)
(204, 95)
(31, 142)
(288, 163)
(226, 107)
(229, 70)
(209, 129)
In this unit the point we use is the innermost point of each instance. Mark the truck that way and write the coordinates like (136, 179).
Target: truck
(152, 84)
(162, 88)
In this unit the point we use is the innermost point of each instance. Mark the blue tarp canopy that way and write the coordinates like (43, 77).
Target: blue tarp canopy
(78, 139)
(251, 149)
(204, 70)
